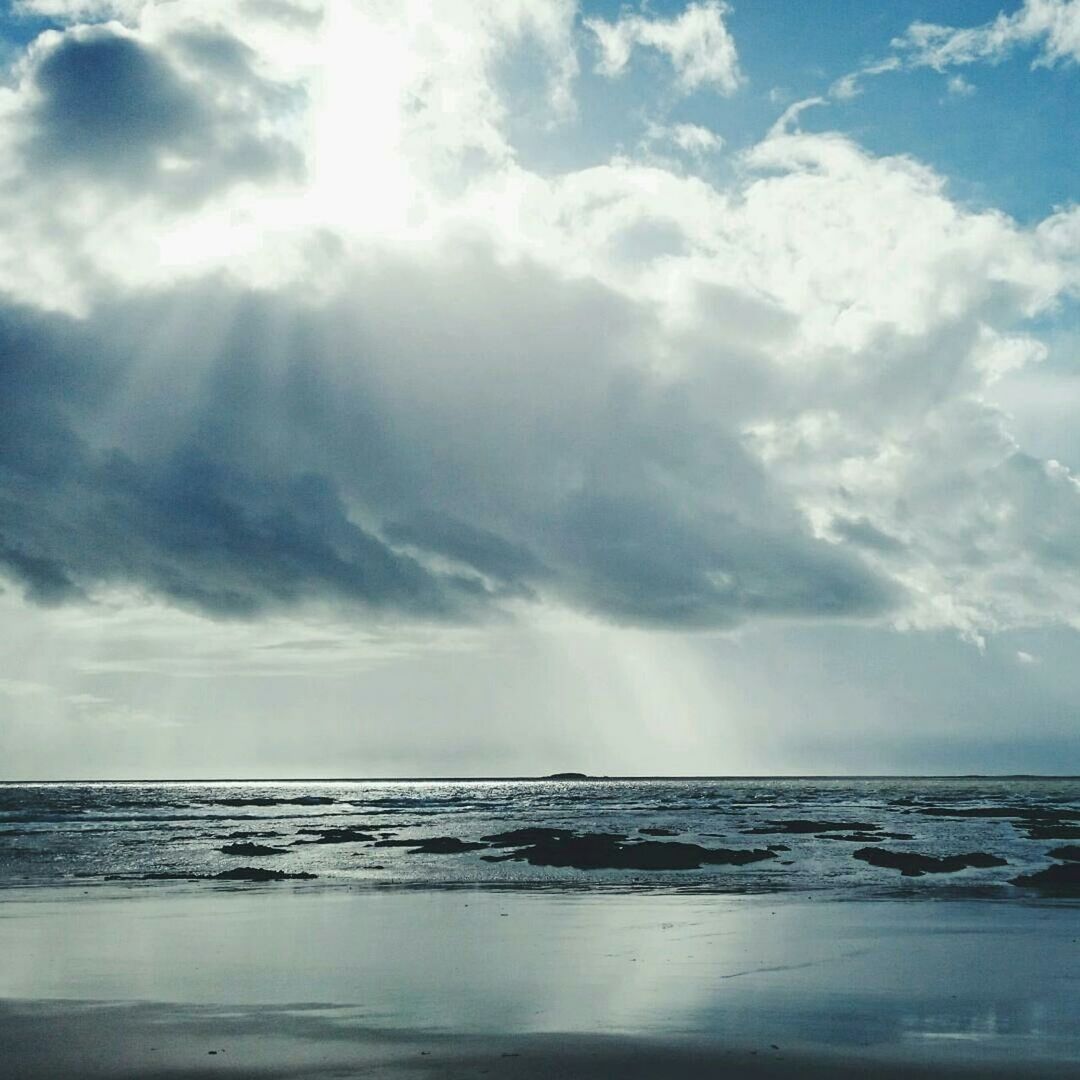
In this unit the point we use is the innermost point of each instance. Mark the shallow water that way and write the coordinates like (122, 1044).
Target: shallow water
(85, 833)
(961, 982)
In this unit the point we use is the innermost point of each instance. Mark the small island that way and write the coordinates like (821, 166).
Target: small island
(567, 776)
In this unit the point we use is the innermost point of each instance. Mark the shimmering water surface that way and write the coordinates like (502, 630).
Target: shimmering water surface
(88, 833)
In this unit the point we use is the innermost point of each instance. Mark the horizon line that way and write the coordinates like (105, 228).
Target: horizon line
(555, 777)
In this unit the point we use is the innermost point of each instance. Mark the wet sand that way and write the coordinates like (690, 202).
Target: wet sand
(284, 981)
(50, 1041)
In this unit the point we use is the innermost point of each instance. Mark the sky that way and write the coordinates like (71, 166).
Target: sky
(499, 387)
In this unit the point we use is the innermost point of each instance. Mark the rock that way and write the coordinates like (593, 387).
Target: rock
(863, 837)
(246, 834)
(432, 845)
(260, 873)
(1038, 822)
(912, 864)
(1069, 852)
(239, 873)
(1024, 813)
(603, 851)
(566, 776)
(1059, 878)
(535, 835)
(252, 849)
(445, 845)
(263, 800)
(334, 836)
(156, 875)
(1054, 832)
(658, 830)
(800, 826)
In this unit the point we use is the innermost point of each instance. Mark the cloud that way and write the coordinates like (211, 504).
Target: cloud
(959, 86)
(413, 379)
(244, 487)
(691, 139)
(102, 105)
(1050, 26)
(81, 10)
(697, 42)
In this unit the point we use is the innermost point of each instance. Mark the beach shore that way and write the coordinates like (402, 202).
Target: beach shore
(51, 1041)
(307, 982)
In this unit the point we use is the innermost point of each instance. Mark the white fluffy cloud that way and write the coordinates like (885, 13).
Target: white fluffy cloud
(303, 326)
(697, 43)
(1050, 26)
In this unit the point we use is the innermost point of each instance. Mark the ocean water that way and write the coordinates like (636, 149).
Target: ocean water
(144, 833)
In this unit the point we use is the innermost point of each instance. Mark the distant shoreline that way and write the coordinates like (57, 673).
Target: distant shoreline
(538, 779)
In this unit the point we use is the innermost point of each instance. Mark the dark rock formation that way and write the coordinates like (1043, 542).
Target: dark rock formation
(246, 834)
(800, 826)
(259, 873)
(263, 800)
(1038, 822)
(1061, 878)
(238, 873)
(535, 835)
(863, 837)
(1024, 813)
(658, 830)
(432, 845)
(912, 864)
(566, 776)
(252, 849)
(1069, 852)
(1058, 831)
(333, 836)
(602, 851)
(156, 875)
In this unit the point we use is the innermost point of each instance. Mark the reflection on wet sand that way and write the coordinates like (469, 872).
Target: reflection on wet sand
(939, 985)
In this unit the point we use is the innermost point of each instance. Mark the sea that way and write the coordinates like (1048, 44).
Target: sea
(814, 836)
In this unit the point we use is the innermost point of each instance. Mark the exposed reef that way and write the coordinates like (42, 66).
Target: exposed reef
(333, 836)
(611, 851)
(260, 873)
(1068, 852)
(797, 826)
(912, 864)
(1063, 878)
(1054, 831)
(248, 848)
(863, 837)
(533, 835)
(432, 845)
(1037, 822)
(1024, 813)
(237, 873)
(263, 800)
(246, 834)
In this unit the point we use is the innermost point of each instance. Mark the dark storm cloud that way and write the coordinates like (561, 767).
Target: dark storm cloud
(861, 532)
(642, 561)
(111, 103)
(112, 108)
(512, 565)
(194, 523)
(264, 452)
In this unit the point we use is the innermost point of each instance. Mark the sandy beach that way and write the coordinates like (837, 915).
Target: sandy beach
(163, 981)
